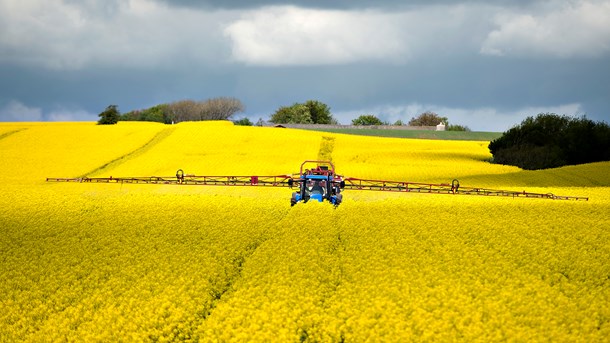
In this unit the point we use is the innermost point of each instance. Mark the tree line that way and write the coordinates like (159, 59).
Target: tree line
(427, 118)
(315, 112)
(224, 108)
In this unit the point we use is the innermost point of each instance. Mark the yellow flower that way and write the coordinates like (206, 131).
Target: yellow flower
(112, 262)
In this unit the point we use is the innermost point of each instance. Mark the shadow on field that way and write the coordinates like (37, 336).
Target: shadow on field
(585, 175)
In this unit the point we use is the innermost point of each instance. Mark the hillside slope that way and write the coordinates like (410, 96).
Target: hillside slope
(33, 152)
(125, 262)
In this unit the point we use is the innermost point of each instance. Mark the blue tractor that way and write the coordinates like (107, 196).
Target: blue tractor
(319, 183)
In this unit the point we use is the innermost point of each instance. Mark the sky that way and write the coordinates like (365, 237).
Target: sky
(483, 64)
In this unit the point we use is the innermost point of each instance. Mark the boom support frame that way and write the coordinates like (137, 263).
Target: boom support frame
(323, 169)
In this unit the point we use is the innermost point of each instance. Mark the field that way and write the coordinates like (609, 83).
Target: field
(421, 134)
(121, 262)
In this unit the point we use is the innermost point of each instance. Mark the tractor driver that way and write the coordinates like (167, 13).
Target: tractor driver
(322, 185)
(314, 187)
(309, 188)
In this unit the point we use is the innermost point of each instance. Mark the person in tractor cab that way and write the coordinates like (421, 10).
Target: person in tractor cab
(322, 185)
(309, 186)
(317, 188)
(314, 187)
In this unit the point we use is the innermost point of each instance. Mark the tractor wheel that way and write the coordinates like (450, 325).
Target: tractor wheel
(293, 200)
(339, 199)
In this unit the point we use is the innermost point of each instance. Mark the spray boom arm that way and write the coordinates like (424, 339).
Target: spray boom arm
(324, 169)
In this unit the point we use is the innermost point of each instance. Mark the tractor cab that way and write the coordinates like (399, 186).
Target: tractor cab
(319, 183)
(315, 188)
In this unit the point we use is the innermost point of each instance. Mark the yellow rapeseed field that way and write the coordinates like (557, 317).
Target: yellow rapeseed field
(84, 262)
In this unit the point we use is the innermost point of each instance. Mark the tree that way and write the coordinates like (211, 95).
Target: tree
(295, 114)
(320, 112)
(550, 141)
(243, 122)
(428, 119)
(183, 110)
(109, 116)
(398, 123)
(222, 108)
(367, 119)
(309, 112)
(457, 128)
(158, 113)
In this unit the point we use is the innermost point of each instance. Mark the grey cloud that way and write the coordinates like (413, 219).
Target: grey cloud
(16, 111)
(118, 57)
(93, 8)
(575, 30)
(337, 4)
(288, 35)
(74, 35)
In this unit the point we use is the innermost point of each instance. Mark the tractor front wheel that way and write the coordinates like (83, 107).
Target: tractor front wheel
(338, 199)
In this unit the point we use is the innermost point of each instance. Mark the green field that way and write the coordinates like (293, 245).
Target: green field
(421, 134)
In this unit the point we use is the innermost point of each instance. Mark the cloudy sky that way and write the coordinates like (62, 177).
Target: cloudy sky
(484, 64)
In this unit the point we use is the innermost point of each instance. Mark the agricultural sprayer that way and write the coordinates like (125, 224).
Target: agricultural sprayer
(318, 181)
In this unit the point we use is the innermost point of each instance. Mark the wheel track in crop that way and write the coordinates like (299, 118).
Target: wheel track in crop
(327, 145)
(335, 246)
(332, 244)
(220, 292)
(10, 133)
(158, 138)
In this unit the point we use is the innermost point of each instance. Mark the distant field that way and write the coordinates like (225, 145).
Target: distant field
(448, 135)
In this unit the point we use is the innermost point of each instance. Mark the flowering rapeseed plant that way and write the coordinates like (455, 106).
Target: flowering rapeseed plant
(112, 262)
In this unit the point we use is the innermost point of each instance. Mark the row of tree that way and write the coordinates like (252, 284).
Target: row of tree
(424, 119)
(315, 112)
(224, 108)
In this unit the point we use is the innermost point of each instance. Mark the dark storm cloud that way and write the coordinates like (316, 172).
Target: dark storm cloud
(515, 88)
(337, 4)
(483, 64)
(245, 4)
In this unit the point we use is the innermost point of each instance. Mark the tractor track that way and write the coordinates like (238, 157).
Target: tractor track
(337, 249)
(10, 133)
(219, 293)
(159, 137)
(327, 145)
(224, 290)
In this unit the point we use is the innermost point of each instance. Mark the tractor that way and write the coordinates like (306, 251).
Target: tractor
(319, 183)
